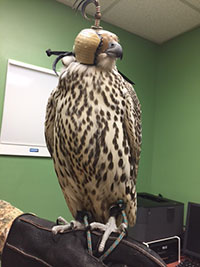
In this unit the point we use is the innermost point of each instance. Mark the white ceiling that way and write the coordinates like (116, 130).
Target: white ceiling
(155, 20)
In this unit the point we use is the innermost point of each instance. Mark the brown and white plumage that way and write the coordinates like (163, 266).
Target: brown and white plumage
(93, 133)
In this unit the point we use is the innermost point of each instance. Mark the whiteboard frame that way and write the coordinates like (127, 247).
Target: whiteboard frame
(7, 148)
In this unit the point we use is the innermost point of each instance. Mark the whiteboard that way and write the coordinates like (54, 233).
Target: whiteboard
(28, 88)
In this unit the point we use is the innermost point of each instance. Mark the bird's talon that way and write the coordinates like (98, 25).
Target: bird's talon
(101, 248)
(60, 228)
(54, 231)
(61, 220)
(123, 227)
(99, 226)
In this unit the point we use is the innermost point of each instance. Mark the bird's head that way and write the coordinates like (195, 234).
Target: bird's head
(97, 47)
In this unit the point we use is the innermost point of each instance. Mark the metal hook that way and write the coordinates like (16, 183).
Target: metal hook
(83, 4)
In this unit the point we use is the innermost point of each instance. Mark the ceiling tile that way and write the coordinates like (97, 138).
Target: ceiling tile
(155, 20)
(105, 4)
(195, 4)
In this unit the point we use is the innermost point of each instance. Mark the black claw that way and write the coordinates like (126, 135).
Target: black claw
(58, 222)
(72, 225)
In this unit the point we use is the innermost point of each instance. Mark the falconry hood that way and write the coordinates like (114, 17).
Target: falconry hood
(91, 42)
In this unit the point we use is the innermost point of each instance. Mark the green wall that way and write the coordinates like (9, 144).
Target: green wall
(167, 82)
(27, 29)
(176, 153)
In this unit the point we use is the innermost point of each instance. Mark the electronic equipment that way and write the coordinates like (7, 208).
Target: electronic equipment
(157, 218)
(188, 263)
(169, 249)
(191, 244)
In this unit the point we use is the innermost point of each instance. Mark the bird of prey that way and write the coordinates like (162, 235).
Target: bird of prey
(93, 129)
